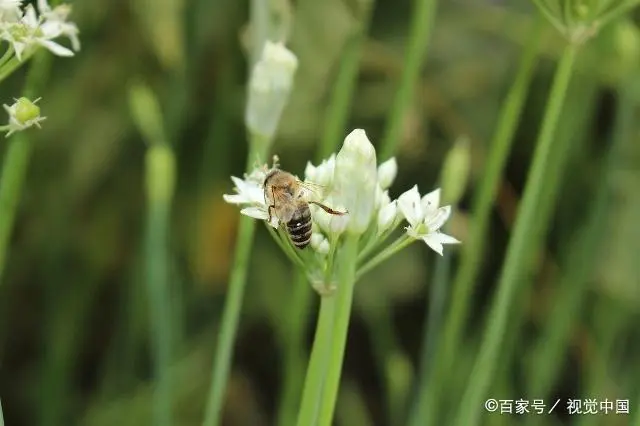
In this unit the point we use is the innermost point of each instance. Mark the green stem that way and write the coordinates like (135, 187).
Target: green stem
(392, 249)
(431, 335)
(344, 298)
(525, 236)
(160, 183)
(293, 342)
(7, 55)
(318, 362)
(581, 252)
(423, 17)
(473, 249)
(230, 319)
(12, 65)
(342, 94)
(233, 301)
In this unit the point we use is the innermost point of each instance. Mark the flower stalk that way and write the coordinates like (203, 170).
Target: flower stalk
(342, 315)
(269, 87)
(525, 235)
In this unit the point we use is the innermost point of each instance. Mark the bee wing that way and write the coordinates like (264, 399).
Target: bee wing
(319, 191)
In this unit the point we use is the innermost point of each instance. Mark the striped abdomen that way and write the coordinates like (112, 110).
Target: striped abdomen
(299, 227)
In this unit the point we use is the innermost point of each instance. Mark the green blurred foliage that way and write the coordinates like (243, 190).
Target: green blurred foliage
(74, 345)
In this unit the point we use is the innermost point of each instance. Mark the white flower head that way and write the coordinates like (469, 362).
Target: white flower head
(269, 87)
(425, 218)
(23, 114)
(355, 180)
(29, 32)
(55, 23)
(250, 195)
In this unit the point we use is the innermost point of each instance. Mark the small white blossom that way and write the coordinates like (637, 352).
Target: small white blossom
(425, 218)
(22, 115)
(355, 180)
(29, 32)
(56, 23)
(250, 194)
(269, 87)
(387, 172)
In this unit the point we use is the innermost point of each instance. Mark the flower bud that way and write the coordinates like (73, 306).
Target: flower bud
(455, 171)
(319, 243)
(23, 114)
(269, 87)
(387, 172)
(387, 216)
(355, 180)
(324, 172)
(26, 110)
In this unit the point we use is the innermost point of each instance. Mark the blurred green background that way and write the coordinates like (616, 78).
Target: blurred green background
(74, 331)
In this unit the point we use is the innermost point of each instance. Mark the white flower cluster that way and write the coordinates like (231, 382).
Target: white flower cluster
(25, 30)
(353, 182)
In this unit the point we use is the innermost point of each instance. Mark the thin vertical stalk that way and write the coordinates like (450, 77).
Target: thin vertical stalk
(232, 306)
(526, 234)
(318, 362)
(431, 334)
(160, 182)
(472, 249)
(338, 111)
(293, 342)
(344, 298)
(423, 17)
(580, 263)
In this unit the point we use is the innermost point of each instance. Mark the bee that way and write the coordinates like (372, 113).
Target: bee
(285, 196)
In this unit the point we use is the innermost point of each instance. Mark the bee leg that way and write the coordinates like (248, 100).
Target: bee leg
(269, 212)
(328, 209)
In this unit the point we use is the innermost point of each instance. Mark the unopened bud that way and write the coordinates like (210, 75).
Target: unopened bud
(387, 172)
(387, 216)
(269, 87)
(455, 171)
(355, 180)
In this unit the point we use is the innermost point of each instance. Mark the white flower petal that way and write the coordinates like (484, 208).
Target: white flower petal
(255, 212)
(447, 239)
(55, 48)
(433, 241)
(409, 205)
(234, 198)
(435, 221)
(310, 172)
(431, 201)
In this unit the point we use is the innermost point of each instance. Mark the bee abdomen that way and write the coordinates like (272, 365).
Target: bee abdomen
(299, 228)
